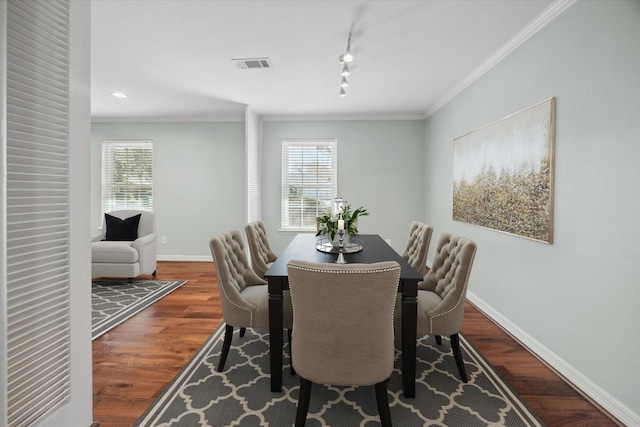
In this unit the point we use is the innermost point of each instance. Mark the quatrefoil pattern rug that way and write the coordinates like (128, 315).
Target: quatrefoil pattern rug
(241, 396)
(114, 301)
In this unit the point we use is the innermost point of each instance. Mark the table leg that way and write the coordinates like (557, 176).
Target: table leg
(275, 335)
(409, 319)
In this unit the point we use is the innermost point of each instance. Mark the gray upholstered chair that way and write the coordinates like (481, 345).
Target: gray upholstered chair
(126, 245)
(261, 254)
(418, 246)
(442, 293)
(343, 327)
(243, 295)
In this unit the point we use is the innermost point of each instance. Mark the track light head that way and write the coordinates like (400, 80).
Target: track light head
(342, 93)
(346, 72)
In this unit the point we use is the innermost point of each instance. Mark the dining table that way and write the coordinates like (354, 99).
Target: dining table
(372, 248)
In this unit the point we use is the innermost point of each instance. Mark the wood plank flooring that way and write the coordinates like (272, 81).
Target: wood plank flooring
(135, 361)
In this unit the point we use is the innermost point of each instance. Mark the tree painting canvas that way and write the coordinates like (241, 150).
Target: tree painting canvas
(503, 174)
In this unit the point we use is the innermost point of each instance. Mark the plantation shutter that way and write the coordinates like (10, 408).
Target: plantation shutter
(254, 170)
(309, 181)
(37, 304)
(127, 175)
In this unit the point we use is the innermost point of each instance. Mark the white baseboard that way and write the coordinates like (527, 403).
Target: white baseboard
(196, 258)
(574, 378)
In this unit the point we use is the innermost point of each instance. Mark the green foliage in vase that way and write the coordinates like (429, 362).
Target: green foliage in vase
(328, 223)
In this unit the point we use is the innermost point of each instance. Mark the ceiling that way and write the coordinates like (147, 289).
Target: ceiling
(174, 58)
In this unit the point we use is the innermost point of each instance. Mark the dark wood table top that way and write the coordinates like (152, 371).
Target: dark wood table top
(375, 249)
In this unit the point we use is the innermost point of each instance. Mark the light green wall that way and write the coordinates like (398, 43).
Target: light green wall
(578, 299)
(199, 181)
(380, 167)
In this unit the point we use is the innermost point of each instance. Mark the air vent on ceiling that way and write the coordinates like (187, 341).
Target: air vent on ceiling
(251, 63)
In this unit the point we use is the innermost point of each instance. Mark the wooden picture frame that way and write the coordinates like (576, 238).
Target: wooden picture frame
(503, 174)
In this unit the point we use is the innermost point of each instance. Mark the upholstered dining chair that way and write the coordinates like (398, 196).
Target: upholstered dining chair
(243, 295)
(261, 254)
(442, 293)
(343, 327)
(418, 246)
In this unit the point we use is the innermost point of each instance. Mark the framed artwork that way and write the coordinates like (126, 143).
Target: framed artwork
(503, 174)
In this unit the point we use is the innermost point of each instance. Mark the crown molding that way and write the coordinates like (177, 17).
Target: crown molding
(548, 15)
(338, 118)
(194, 119)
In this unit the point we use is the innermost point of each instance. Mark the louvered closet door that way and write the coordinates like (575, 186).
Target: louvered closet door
(254, 165)
(37, 211)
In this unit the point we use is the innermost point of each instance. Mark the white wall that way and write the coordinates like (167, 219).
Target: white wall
(199, 181)
(575, 301)
(380, 167)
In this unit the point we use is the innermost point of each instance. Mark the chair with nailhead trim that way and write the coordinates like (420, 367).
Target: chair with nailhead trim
(418, 246)
(442, 293)
(343, 327)
(261, 254)
(244, 296)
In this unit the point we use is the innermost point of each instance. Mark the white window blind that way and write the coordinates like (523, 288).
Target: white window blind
(127, 175)
(36, 365)
(309, 181)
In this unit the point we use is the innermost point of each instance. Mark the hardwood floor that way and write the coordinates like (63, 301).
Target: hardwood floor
(135, 361)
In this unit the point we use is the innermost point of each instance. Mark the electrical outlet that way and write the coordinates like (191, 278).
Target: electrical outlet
(164, 240)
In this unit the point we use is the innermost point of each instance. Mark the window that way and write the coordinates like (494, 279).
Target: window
(127, 175)
(309, 181)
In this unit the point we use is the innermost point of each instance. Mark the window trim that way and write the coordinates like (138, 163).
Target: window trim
(332, 143)
(129, 143)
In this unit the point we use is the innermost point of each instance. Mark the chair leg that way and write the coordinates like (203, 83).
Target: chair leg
(383, 404)
(154, 273)
(226, 345)
(303, 402)
(457, 354)
(291, 370)
(438, 339)
(242, 331)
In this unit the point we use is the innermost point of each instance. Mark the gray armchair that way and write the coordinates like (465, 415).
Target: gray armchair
(261, 254)
(442, 293)
(243, 295)
(343, 327)
(418, 246)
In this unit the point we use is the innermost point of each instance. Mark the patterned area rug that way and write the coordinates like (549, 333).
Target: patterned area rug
(241, 396)
(114, 301)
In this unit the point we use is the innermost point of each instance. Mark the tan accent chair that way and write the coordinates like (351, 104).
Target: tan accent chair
(442, 293)
(261, 254)
(418, 246)
(126, 258)
(244, 296)
(343, 327)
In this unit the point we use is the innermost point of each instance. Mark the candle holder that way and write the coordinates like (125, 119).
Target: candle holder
(341, 259)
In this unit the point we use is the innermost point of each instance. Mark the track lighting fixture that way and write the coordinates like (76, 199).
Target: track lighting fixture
(347, 56)
(345, 59)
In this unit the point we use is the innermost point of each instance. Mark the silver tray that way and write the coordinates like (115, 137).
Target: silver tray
(351, 246)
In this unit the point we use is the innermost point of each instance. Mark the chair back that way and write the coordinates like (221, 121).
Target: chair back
(261, 254)
(418, 246)
(234, 275)
(448, 278)
(343, 321)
